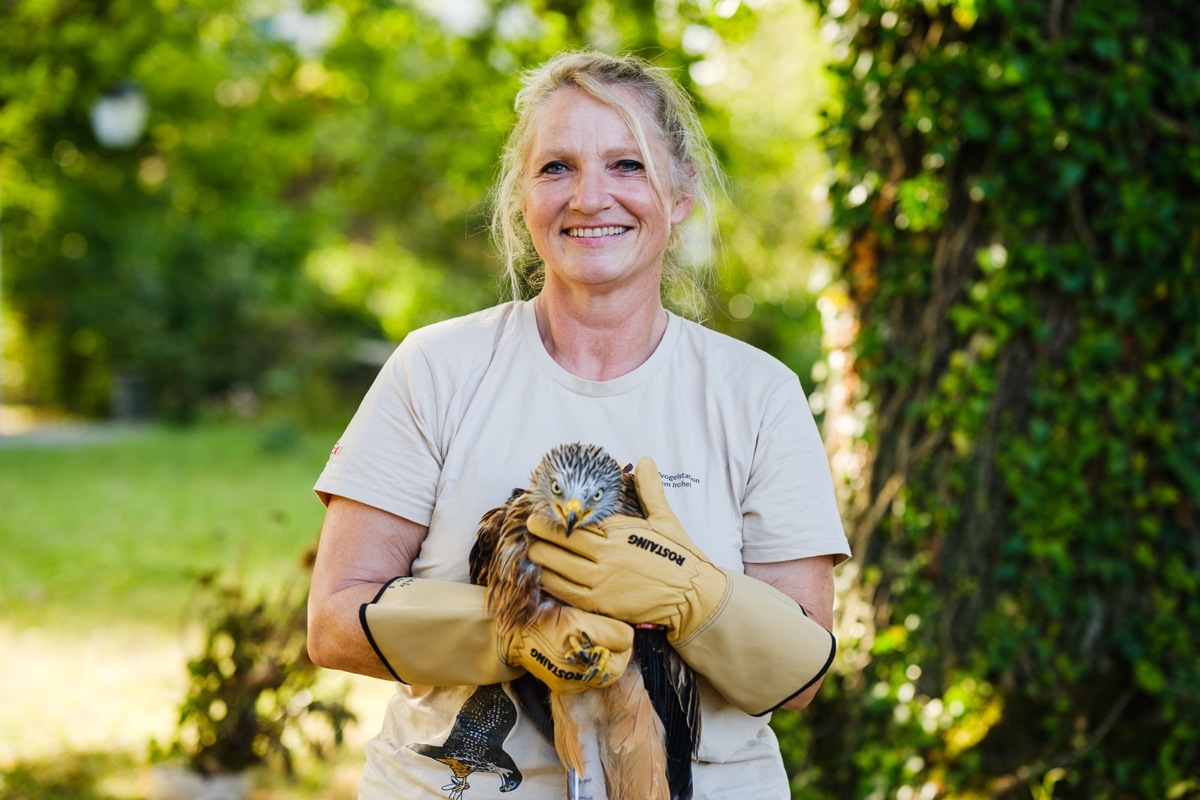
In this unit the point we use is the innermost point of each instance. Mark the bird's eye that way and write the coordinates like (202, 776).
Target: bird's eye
(554, 487)
(596, 497)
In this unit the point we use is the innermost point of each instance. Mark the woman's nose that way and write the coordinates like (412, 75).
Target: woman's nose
(591, 191)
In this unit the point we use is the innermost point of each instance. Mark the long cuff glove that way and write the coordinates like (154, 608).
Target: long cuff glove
(439, 633)
(753, 643)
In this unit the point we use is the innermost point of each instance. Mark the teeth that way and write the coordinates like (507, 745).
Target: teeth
(593, 233)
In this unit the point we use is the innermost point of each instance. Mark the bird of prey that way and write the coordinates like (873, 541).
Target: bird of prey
(634, 739)
(476, 742)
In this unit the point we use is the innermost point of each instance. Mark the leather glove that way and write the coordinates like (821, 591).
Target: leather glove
(440, 633)
(637, 570)
(753, 643)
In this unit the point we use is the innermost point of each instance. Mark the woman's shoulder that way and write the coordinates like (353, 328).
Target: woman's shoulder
(451, 351)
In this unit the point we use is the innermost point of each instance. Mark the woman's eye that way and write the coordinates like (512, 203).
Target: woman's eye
(629, 165)
(553, 168)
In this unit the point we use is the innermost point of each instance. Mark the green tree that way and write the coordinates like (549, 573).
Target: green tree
(171, 261)
(1016, 196)
(316, 172)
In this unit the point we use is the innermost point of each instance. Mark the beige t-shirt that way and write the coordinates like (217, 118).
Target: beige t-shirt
(460, 415)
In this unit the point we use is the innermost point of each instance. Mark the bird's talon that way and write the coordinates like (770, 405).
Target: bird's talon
(602, 656)
(585, 653)
(581, 649)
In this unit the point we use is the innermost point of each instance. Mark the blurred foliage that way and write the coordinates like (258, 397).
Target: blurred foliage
(1016, 197)
(74, 776)
(250, 696)
(312, 178)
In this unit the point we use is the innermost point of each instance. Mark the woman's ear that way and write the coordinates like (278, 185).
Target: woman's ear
(681, 208)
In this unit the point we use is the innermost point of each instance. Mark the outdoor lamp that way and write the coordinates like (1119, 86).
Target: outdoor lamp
(119, 115)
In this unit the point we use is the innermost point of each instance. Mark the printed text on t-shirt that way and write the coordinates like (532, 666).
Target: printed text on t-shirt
(679, 480)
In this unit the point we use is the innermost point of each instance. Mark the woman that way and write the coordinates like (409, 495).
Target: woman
(605, 164)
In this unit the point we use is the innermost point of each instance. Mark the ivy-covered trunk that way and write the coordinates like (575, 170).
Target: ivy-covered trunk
(1017, 216)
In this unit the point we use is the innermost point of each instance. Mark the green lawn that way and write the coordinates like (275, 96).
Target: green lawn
(110, 528)
(102, 535)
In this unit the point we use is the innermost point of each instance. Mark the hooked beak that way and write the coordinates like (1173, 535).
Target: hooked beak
(571, 514)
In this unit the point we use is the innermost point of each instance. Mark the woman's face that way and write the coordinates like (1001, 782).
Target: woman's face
(591, 211)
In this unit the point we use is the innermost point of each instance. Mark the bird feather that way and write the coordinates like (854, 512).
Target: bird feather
(643, 729)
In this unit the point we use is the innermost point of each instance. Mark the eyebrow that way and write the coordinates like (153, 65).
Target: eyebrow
(557, 152)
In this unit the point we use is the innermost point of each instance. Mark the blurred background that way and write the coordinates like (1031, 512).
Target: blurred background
(972, 227)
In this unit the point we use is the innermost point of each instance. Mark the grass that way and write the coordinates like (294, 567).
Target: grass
(103, 534)
(111, 530)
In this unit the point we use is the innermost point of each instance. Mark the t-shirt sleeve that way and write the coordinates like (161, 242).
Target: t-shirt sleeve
(790, 510)
(389, 456)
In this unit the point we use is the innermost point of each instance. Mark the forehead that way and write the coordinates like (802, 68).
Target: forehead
(573, 119)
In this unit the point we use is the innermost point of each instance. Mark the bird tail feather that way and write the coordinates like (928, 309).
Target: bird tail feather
(675, 694)
(576, 740)
(632, 741)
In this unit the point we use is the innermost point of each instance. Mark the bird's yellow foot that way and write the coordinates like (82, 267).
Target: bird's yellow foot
(586, 653)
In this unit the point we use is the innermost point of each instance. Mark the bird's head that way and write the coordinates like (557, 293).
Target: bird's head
(576, 484)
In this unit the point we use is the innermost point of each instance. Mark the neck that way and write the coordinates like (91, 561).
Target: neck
(598, 338)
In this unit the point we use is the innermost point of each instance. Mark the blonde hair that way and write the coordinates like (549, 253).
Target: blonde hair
(692, 169)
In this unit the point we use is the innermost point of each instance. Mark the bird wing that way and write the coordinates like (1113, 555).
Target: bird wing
(631, 504)
(487, 539)
(501, 530)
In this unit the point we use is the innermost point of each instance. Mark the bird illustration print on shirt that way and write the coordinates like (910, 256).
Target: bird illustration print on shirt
(634, 739)
(476, 742)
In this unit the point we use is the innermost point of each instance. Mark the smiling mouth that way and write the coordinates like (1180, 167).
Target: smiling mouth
(595, 233)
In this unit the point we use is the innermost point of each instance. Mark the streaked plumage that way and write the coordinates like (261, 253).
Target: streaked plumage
(643, 729)
(476, 742)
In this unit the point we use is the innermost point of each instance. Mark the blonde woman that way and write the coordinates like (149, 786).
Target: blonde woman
(606, 179)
